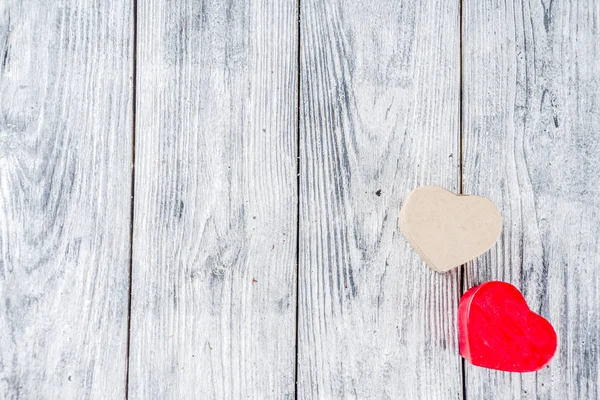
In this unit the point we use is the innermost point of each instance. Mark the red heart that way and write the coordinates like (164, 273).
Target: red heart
(497, 330)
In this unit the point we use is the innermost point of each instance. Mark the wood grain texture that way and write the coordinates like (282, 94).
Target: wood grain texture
(214, 267)
(65, 170)
(531, 144)
(379, 117)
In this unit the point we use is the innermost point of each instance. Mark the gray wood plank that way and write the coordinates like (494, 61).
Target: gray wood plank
(65, 183)
(531, 143)
(379, 117)
(214, 263)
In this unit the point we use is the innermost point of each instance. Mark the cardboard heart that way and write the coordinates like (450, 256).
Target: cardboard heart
(446, 229)
(497, 330)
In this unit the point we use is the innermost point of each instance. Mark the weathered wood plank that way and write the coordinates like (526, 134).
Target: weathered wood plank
(379, 117)
(65, 183)
(531, 143)
(214, 272)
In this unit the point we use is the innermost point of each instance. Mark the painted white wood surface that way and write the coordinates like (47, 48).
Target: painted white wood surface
(65, 169)
(532, 144)
(216, 196)
(379, 117)
(214, 250)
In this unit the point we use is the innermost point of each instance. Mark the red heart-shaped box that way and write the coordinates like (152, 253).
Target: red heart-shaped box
(497, 330)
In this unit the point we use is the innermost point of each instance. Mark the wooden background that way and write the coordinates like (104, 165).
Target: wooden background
(199, 198)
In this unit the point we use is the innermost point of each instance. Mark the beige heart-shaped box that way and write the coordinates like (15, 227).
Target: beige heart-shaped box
(446, 229)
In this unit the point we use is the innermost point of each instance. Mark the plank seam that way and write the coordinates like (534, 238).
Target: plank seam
(298, 77)
(463, 268)
(132, 191)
